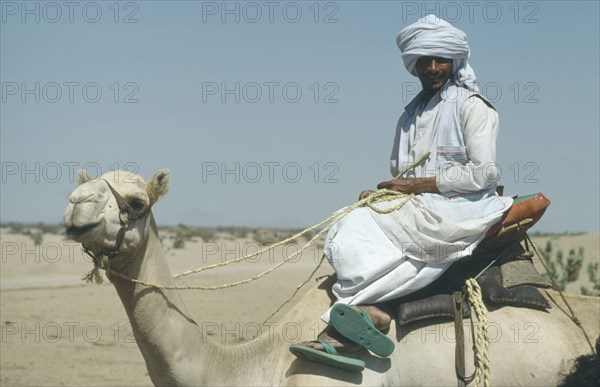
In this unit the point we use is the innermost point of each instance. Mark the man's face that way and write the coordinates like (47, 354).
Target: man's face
(433, 72)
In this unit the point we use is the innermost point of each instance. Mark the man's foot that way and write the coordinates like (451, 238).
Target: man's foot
(335, 339)
(381, 319)
(357, 326)
(329, 357)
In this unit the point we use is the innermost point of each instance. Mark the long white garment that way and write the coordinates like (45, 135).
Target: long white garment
(379, 257)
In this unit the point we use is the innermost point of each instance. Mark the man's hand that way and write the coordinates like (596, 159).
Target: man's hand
(411, 186)
(364, 194)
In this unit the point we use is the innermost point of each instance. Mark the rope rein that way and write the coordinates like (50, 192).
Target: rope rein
(103, 262)
(383, 195)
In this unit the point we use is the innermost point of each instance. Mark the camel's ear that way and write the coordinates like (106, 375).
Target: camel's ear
(158, 185)
(83, 176)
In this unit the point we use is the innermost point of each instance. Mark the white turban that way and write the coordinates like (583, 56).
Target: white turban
(432, 36)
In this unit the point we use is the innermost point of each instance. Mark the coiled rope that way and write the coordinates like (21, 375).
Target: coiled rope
(482, 343)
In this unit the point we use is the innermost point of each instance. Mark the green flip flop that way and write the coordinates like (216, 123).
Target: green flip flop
(359, 328)
(331, 357)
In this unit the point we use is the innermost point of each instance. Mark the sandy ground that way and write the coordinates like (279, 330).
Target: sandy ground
(57, 330)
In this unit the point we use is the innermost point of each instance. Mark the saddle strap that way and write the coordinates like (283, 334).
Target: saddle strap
(459, 333)
(458, 302)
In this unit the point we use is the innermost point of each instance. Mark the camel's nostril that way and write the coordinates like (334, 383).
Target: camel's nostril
(76, 198)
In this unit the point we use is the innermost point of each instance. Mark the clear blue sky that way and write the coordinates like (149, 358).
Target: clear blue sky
(279, 113)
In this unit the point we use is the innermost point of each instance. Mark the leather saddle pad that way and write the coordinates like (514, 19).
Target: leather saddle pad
(529, 207)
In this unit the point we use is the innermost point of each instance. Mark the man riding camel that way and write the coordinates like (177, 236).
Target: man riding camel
(381, 257)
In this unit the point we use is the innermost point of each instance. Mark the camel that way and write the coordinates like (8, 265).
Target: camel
(528, 347)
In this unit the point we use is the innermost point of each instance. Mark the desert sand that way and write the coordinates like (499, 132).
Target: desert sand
(58, 330)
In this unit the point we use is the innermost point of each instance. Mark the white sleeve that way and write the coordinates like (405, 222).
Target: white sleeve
(480, 130)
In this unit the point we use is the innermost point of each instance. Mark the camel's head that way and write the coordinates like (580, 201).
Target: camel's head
(117, 202)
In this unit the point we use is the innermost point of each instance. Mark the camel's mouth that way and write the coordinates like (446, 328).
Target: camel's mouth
(75, 231)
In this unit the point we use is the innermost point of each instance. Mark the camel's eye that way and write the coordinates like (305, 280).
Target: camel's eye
(137, 204)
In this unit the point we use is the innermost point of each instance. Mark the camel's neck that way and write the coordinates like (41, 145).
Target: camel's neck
(167, 336)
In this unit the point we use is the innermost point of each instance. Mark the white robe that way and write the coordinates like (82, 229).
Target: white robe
(379, 257)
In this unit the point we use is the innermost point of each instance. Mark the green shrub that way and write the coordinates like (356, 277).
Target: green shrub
(38, 238)
(563, 271)
(593, 274)
(179, 241)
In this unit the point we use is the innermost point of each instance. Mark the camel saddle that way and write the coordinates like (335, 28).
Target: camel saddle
(511, 281)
